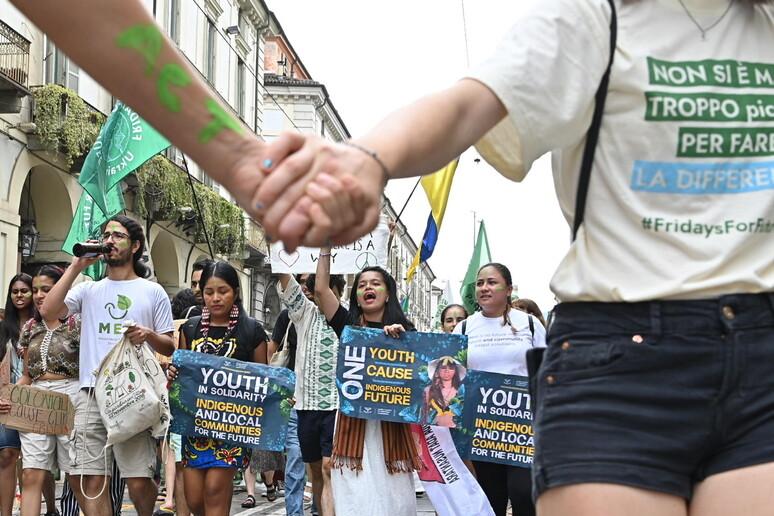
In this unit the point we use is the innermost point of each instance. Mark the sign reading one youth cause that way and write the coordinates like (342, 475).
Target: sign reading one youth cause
(418, 378)
(241, 403)
(497, 423)
(37, 410)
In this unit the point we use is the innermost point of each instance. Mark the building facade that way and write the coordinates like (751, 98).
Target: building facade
(239, 48)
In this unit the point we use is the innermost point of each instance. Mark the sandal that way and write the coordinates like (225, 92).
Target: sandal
(249, 502)
(271, 492)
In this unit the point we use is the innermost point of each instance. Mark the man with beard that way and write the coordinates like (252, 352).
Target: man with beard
(124, 295)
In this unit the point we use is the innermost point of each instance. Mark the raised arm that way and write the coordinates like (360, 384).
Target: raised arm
(326, 299)
(53, 306)
(119, 44)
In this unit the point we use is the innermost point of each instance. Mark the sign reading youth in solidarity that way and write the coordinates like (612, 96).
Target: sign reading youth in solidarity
(418, 378)
(238, 402)
(497, 423)
(366, 251)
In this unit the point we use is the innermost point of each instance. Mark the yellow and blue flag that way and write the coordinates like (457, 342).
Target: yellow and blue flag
(437, 187)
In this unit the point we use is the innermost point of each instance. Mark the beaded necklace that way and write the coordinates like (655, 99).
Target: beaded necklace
(209, 347)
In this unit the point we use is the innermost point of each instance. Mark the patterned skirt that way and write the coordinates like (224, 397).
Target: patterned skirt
(203, 453)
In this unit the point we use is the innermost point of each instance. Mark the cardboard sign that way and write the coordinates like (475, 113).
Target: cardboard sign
(241, 403)
(418, 378)
(5, 366)
(165, 360)
(37, 410)
(366, 251)
(497, 423)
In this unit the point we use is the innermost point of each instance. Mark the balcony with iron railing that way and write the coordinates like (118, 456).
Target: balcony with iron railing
(14, 62)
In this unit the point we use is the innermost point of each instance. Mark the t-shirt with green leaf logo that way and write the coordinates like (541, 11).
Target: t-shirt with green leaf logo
(104, 306)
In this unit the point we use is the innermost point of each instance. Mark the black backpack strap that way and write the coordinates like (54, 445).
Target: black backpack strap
(464, 325)
(531, 325)
(593, 133)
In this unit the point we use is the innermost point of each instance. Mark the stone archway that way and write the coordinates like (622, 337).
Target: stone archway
(45, 200)
(166, 262)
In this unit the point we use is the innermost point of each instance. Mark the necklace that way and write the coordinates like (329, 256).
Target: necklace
(705, 30)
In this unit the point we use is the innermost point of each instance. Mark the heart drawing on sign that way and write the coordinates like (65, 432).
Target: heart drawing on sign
(288, 258)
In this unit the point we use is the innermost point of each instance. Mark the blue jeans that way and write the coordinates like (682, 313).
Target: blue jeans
(295, 472)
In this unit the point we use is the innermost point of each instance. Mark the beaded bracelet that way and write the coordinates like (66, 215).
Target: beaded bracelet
(375, 156)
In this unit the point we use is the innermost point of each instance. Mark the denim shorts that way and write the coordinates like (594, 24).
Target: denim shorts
(655, 395)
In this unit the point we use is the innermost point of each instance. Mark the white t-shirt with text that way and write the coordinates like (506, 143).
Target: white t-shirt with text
(104, 306)
(497, 348)
(681, 197)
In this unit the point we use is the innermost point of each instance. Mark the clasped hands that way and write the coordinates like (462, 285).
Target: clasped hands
(305, 190)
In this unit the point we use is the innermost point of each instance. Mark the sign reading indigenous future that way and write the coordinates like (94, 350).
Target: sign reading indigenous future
(418, 378)
(37, 410)
(366, 251)
(497, 423)
(237, 402)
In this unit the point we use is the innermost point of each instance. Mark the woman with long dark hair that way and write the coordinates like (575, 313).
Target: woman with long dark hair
(499, 337)
(51, 362)
(18, 310)
(442, 396)
(223, 329)
(376, 458)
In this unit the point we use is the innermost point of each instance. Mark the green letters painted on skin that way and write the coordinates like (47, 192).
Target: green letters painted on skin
(221, 121)
(171, 75)
(146, 39)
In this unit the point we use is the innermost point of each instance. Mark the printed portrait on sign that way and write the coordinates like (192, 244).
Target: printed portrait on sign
(443, 397)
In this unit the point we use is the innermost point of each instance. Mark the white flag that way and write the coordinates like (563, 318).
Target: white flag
(451, 487)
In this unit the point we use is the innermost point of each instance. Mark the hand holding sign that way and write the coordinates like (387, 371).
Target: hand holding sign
(41, 411)
(392, 375)
(242, 403)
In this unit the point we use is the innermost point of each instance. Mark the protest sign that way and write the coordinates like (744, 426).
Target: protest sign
(163, 359)
(418, 378)
(366, 251)
(497, 422)
(37, 410)
(241, 403)
(5, 365)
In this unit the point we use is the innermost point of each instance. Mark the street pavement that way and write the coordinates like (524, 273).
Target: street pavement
(263, 508)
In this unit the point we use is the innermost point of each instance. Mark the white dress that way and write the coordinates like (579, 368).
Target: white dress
(373, 491)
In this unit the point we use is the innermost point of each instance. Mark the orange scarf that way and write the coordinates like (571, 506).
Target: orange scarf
(400, 452)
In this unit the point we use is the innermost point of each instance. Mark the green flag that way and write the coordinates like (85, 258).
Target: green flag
(481, 256)
(87, 224)
(125, 142)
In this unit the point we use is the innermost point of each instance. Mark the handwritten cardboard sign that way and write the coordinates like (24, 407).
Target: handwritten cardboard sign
(37, 410)
(366, 251)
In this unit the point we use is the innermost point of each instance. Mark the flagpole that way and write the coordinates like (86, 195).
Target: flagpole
(198, 208)
(408, 199)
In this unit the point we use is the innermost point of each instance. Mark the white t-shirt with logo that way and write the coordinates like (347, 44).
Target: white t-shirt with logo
(497, 348)
(681, 197)
(104, 306)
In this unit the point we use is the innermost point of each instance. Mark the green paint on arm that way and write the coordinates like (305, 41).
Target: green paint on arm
(171, 75)
(145, 39)
(221, 121)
